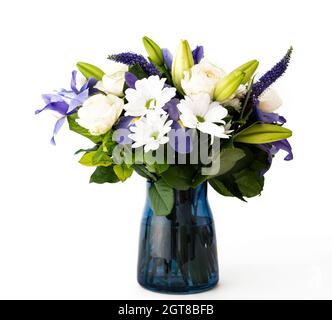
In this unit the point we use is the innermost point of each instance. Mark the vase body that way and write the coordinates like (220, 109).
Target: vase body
(177, 252)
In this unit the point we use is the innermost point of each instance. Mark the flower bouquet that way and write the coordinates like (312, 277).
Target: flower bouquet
(181, 123)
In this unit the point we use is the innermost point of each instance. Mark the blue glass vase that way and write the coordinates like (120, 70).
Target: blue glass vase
(177, 252)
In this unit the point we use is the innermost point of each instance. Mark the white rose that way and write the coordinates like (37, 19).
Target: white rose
(113, 82)
(269, 101)
(99, 113)
(202, 78)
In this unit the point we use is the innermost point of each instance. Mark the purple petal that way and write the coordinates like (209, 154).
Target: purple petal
(73, 84)
(267, 117)
(172, 109)
(198, 54)
(130, 79)
(57, 127)
(48, 98)
(124, 122)
(60, 106)
(90, 85)
(284, 145)
(180, 139)
(168, 58)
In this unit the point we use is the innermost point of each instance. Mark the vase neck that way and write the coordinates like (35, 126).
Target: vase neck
(189, 205)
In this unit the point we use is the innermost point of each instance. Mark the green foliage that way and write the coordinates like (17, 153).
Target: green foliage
(245, 179)
(90, 71)
(262, 133)
(158, 168)
(103, 175)
(74, 126)
(227, 158)
(141, 170)
(123, 172)
(161, 197)
(179, 177)
(94, 148)
(96, 159)
(137, 70)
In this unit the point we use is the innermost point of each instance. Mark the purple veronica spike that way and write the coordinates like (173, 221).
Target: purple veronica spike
(130, 79)
(198, 54)
(271, 76)
(168, 58)
(130, 58)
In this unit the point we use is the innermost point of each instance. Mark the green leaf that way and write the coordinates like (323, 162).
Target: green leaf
(89, 159)
(228, 159)
(94, 148)
(226, 186)
(161, 198)
(249, 182)
(245, 178)
(90, 71)
(220, 187)
(179, 177)
(122, 171)
(144, 172)
(74, 126)
(137, 70)
(158, 168)
(262, 133)
(103, 175)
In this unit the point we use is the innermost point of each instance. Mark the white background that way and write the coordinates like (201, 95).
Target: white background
(63, 238)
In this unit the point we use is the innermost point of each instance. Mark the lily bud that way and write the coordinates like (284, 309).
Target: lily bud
(183, 61)
(154, 51)
(248, 68)
(90, 71)
(227, 86)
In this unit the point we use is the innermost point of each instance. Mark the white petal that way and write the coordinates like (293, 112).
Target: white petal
(216, 113)
(212, 129)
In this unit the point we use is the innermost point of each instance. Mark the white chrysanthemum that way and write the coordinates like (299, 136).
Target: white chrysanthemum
(150, 131)
(198, 112)
(149, 94)
(99, 113)
(113, 82)
(269, 100)
(202, 78)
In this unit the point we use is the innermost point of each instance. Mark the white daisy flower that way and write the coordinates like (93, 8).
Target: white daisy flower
(198, 112)
(149, 94)
(150, 131)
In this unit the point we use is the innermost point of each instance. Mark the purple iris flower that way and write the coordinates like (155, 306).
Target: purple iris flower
(273, 148)
(171, 108)
(130, 79)
(179, 138)
(267, 117)
(65, 102)
(197, 53)
(168, 58)
(122, 130)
